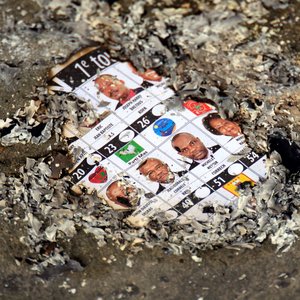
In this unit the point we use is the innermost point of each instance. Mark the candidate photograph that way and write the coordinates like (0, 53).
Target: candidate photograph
(159, 173)
(122, 194)
(219, 126)
(116, 88)
(192, 147)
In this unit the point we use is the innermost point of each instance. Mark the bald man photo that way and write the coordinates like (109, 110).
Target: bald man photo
(189, 146)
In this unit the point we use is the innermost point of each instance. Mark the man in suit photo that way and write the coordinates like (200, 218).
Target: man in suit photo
(189, 146)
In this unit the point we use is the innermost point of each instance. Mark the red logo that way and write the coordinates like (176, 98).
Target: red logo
(99, 176)
(196, 107)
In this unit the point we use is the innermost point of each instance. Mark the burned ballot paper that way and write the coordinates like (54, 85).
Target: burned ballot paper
(140, 156)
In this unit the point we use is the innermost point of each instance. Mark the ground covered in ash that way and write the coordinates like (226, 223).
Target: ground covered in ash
(244, 55)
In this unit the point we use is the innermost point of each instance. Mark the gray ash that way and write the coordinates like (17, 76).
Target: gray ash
(223, 50)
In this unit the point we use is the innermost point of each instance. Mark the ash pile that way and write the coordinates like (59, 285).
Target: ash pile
(230, 52)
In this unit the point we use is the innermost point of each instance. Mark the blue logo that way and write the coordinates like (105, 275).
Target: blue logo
(164, 127)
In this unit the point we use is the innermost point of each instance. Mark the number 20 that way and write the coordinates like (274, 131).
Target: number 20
(79, 174)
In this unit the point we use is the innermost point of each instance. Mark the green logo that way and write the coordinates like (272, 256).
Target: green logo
(129, 151)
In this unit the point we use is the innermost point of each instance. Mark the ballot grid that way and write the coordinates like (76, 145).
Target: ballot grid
(139, 118)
